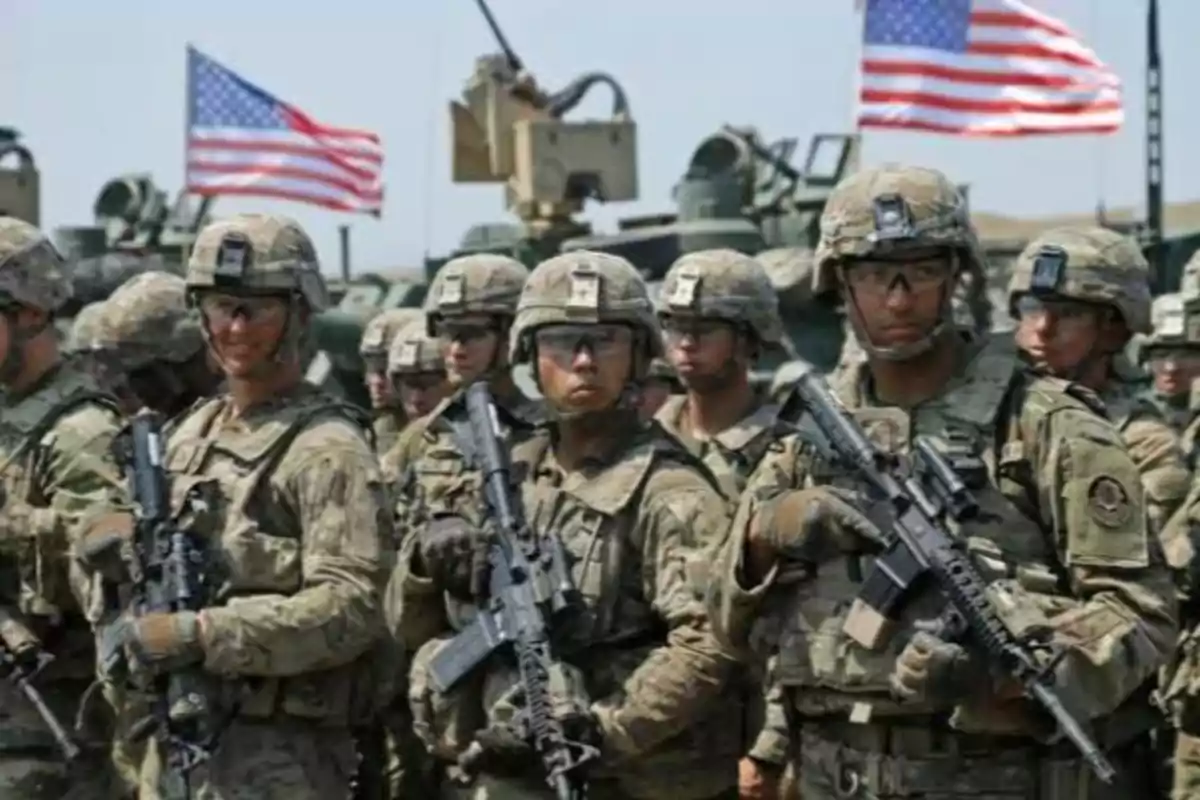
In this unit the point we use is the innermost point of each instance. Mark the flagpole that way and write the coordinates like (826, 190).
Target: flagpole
(1154, 145)
(854, 162)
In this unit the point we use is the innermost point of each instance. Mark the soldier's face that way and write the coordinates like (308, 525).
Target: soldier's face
(583, 368)
(898, 302)
(1174, 370)
(1058, 335)
(703, 350)
(379, 388)
(420, 393)
(472, 346)
(245, 331)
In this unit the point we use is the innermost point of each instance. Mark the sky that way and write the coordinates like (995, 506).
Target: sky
(97, 89)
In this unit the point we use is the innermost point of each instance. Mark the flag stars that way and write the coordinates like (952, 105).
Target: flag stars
(936, 24)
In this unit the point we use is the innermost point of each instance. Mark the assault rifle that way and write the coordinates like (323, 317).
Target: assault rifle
(168, 576)
(530, 589)
(918, 552)
(21, 660)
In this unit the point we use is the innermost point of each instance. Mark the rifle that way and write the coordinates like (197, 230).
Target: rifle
(919, 550)
(22, 659)
(530, 590)
(168, 577)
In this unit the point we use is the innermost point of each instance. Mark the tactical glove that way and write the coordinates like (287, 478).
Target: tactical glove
(455, 556)
(103, 545)
(163, 642)
(930, 670)
(814, 525)
(505, 749)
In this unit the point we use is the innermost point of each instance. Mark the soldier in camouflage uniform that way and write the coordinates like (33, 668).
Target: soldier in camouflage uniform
(662, 381)
(1078, 295)
(633, 510)
(1172, 354)
(1062, 535)
(417, 370)
(57, 473)
(719, 311)
(147, 335)
(376, 342)
(469, 307)
(299, 522)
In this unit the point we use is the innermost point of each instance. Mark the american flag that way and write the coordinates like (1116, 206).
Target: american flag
(980, 68)
(242, 140)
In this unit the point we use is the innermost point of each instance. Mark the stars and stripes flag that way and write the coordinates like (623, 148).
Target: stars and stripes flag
(242, 140)
(980, 68)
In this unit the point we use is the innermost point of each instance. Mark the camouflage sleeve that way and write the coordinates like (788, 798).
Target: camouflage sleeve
(396, 460)
(735, 607)
(773, 743)
(679, 682)
(1165, 478)
(1122, 625)
(413, 606)
(330, 481)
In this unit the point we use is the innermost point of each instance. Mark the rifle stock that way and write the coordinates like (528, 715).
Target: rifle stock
(921, 552)
(23, 659)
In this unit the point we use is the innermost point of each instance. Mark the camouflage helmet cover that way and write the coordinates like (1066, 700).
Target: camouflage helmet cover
(414, 351)
(1089, 264)
(584, 287)
(258, 253)
(889, 209)
(32, 272)
(478, 284)
(381, 330)
(148, 319)
(82, 332)
(1189, 281)
(723, 284)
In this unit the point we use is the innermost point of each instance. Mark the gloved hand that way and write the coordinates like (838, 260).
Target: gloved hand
(934, 671)
(505, 748)
(102, 547)
(813, 525)
(163, 642)
(455, 556)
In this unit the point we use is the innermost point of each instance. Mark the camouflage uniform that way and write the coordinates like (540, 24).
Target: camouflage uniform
(1105, 268)
(55, 439)
(301, 528)
(415, 354)
(728, 286)
(1062, 533)
(376, 341)
(631, 521)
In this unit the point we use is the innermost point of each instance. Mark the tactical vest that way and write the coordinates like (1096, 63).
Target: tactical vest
(257, 541)
(980, 425)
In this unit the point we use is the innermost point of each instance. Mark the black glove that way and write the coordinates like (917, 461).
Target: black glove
(505, 749)
(455, 557)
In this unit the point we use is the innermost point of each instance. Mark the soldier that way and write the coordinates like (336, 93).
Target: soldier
(1173, 358)
(56, 431)
(376, 341)
(469, 307)
(1063, 535)
(631, 509)
(417, 370)
(300, 527)
(719, 312)
(147, 335)
(662, 381)
(1078, 295)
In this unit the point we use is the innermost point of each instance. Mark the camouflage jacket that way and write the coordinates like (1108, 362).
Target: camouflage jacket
(301, 524)
(1061, 527)
(630, 523)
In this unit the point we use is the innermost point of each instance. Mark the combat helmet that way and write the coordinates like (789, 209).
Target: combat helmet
(414, 351)
(82, 332)
(379, 333)
(1088, 264)
(148, 319)
(257, 254)
(32, 272)
(726, 285)
(589, 288)
(891, 209)
(485, 283)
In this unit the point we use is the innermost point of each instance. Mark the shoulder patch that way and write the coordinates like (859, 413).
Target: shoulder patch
(1108, 503)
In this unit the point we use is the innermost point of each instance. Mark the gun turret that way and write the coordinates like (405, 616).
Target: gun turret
(507, 130)
(20, 183)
